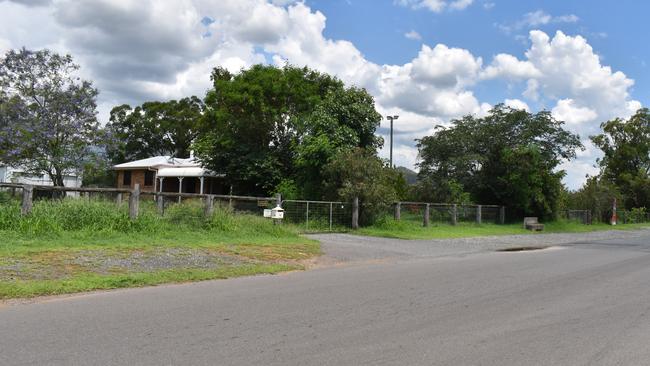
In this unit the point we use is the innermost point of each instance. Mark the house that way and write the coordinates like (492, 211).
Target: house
(169, 174)
(19, 175)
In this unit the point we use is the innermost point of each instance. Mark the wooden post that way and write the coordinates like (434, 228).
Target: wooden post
(307, 217)
(479, 208)
(209, 205)
(28, 193)
(502, 215)
(134, 202)
(454, 214)
(118, 199)
(398, 211)
(588, 218)
(331, 209)
(355, 213)
(278, 200)
(160, 203)
(180, 189)
(426, 215)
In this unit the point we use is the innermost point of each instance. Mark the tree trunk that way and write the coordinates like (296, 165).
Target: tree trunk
(57, 181)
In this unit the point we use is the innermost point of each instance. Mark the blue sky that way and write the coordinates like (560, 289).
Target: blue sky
(615, 29)
(429, 61)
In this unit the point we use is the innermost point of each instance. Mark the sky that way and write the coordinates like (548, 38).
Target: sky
(428, 61)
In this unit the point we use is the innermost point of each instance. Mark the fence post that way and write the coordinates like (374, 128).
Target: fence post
(331, 208)
(398, 211)
(209, 205)
(28, 193)
(454, 214)
(160, 203)
(426, 215)
(134, 202)
(479, 208)
(278, 200)
(118, 199)
(307, 217)
(355, 213)
(502, 215)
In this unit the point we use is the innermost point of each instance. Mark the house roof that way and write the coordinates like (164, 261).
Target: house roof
(186, 172)
(158, 162)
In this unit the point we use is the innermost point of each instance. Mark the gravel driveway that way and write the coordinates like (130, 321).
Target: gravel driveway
(346, 248)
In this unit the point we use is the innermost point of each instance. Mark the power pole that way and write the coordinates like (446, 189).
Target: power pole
(391, 119)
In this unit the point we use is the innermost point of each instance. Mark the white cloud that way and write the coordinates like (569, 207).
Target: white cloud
(517, 104)
(509, 67)
(413, 35)
(536, 19)
(435, 6)
(566, 110)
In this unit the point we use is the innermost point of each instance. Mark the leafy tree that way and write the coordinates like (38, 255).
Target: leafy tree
(626, 161)
(274, 129)
(47, 113)
(154, 128)
(509, 157)
(360, 173)
(596, 195)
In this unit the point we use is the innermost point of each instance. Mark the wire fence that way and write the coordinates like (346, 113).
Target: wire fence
(317, 216)
(441, 213)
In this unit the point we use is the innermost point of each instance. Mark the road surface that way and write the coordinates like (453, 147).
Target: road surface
(377, 302)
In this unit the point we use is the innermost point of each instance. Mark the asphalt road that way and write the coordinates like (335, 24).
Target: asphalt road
(393, 303)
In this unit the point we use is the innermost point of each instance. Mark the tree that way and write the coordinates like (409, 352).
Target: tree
(597, 196)
(274, 129)
(154, 128)
(47, 113)
(360, 173)
(626, 161)
(509, 157)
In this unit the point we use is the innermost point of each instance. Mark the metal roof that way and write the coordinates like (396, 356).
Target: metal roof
(157, 162)
(186, 172)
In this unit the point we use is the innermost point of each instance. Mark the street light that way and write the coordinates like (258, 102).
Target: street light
(391, 119)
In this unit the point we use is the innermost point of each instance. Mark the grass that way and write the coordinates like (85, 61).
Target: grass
(75, 245)
(411, 229)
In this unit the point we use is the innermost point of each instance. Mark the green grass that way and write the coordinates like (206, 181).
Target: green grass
(407, 229)
(75, 245)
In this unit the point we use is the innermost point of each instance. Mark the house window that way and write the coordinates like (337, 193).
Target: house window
(148, 178)
(126, 178)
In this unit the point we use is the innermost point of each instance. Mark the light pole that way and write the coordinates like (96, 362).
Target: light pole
(391, 119)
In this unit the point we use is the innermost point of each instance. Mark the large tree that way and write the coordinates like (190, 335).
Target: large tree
(270, 128)
(154, 128)
(626, 161)
(509, 157)
(47, 113)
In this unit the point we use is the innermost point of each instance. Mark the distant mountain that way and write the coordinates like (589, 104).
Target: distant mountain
(410, 176)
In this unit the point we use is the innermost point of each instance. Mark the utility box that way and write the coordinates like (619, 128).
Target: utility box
(277, 213)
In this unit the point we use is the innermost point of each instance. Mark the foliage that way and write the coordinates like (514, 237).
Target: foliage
(626, 161)
(509, 157)
(268, 126)
(597, 196)
(154, 128)
(47, 113)
(359, 173)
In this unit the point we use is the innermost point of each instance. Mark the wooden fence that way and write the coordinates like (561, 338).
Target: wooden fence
(134, 196)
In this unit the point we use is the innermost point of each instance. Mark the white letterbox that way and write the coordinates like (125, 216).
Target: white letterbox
(277, 213)
(267, 213)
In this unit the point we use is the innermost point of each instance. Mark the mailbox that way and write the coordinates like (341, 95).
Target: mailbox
(277, 213)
